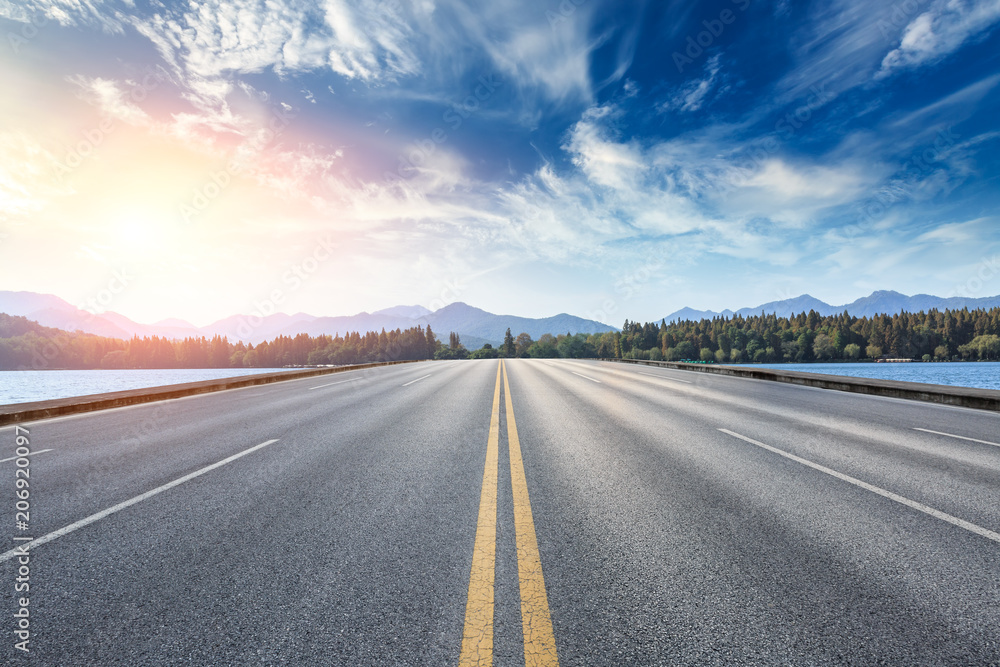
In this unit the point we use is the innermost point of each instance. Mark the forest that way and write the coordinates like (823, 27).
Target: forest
(807, 337)
(928, 336)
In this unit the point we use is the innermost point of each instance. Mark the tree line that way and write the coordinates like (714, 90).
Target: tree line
(806, 337)
(25, 344)
(948, 335)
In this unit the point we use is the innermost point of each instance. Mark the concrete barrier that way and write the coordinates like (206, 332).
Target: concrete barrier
(28, 412)
(966, 397)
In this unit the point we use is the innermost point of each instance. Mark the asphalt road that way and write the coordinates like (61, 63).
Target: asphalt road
(679, 518)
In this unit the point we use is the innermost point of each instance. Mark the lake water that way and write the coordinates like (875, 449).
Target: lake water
(27, 386)
(981, 374)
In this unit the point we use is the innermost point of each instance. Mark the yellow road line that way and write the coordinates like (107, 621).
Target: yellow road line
(477, 637)
(539, 641)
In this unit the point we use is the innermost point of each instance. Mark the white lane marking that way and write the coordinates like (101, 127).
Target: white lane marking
(417, 380)
(586, 378)
(7, 555)
(664, 377)
(330, 384)
(937, 514)
(40, 451)
(960, 437)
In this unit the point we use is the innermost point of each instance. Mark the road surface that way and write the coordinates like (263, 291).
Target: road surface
(551, 512)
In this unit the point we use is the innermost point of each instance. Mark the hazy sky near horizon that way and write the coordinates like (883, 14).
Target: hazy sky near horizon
(608, 159)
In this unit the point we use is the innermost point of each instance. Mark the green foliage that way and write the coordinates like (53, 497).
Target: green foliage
(487, 351)
(27, 345)
(813, 337)
(454, 350)
(975, 335)
(509, 348)
(981, 347)
(521, 344)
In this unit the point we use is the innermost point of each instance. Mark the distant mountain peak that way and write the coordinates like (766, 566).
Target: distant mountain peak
(474, 325)
(879, 302)
(460, 306)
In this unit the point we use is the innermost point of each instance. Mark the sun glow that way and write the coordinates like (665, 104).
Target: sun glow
(139, 231)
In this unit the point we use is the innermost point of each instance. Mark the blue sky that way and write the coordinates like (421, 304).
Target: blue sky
(607, 159)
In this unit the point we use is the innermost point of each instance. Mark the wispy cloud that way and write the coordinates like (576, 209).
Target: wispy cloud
(103, 14)
(111, 98)
(588, 152)
(26, 176)
(939, 32)
(693, 95)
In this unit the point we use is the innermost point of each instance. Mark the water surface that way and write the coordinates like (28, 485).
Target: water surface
(28, 386)
(981, 374)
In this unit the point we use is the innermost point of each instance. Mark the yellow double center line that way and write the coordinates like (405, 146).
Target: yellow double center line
(477, 638)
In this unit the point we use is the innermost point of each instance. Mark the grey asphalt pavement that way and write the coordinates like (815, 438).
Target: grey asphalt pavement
(681, 519)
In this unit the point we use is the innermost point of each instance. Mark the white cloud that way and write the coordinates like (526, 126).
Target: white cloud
(111, 99)
(604, 161)
(956, 232)
(956, 106)
(787, 182)
(843, 44)
(837, 46)
(538, 56)
(73, 13)
(430, 45)
(939, 32)
(693, 95)
(28, 176)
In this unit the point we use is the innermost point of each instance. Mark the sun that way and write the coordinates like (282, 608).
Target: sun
(136, 230)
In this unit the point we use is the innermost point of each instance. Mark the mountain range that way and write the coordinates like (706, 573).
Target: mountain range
(877, 303)
(474, 326)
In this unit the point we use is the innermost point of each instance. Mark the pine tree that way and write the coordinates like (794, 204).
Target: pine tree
(432, 343)
(508, 344)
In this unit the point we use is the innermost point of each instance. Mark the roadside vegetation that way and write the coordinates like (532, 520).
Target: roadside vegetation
(807, 337)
